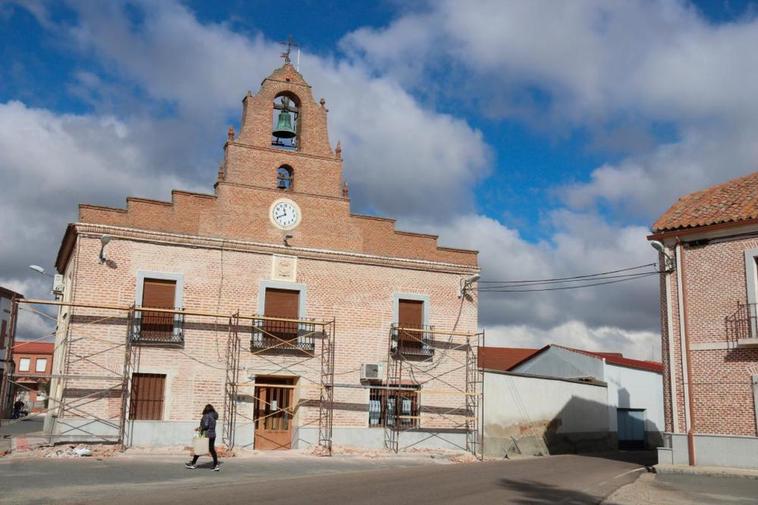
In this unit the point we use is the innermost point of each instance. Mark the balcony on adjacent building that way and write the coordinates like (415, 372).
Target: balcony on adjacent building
(742, 326)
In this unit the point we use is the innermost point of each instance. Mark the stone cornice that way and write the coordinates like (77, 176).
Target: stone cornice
(181, 240)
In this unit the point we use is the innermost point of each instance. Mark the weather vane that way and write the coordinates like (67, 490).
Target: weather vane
(290, 43)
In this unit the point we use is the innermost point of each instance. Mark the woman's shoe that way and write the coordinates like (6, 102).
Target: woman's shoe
(191, 466)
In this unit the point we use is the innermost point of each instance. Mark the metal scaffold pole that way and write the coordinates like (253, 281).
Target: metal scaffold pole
(232, 379)
(433, 364)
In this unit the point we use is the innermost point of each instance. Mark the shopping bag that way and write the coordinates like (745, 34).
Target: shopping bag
(200, 445)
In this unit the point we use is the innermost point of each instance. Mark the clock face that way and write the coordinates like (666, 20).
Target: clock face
(285, 214)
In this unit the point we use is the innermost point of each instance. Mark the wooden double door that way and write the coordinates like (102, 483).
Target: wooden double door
(274, 412)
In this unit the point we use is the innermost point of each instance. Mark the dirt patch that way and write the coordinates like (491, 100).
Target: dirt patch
(441, 455)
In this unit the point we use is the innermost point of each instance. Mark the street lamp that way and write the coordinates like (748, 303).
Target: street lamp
(668, 264)
(40, 270)
(466, 284)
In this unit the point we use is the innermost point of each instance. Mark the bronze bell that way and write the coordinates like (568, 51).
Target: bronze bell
(284, 129)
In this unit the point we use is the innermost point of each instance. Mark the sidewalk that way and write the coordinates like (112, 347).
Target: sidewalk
(677, 487)
(710, 471)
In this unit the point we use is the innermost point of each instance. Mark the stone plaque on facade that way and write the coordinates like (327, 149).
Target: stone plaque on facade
(284, 268)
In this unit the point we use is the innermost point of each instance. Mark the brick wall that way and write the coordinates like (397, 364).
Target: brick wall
(715, 280)
(359, 297)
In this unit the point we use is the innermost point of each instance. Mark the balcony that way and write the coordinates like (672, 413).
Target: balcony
(412, 342)
(283, 336)
(741, 326)
(158, 329)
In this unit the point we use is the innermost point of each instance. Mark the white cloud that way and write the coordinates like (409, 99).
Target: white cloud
(53, 162)
(582, 244)
(597, 65)
(636, 344)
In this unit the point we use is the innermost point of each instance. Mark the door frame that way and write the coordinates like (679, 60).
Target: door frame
(263, 385)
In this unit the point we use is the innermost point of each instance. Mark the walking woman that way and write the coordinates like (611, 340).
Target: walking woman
(208, 428)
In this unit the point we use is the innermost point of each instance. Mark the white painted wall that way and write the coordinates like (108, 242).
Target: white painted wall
(630, 388)
(512, 400)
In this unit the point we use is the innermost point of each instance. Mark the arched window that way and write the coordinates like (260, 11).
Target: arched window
(284, 129)
(284, 178)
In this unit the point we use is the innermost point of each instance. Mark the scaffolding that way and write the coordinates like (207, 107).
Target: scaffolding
(90, 398)
(430, 363)
(100, 348)
(303, 341)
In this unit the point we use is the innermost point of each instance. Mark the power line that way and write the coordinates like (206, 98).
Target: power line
(575, 277)
(548, 283)
(630, 278)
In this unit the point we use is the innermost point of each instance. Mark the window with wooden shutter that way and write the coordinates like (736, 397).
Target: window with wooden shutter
(284, 304)
(410, 315)
(158, 294)
(147, 396)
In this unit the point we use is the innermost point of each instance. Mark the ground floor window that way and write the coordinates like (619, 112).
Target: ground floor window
(392, 407)
(147, 396)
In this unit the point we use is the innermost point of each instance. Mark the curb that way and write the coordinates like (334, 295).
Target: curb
(706, 471)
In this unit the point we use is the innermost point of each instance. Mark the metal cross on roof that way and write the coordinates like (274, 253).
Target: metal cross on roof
(290, 43)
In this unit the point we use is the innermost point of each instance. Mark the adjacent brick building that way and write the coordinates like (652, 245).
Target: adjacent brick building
(709, 244)
(276, 238)
(33, 363)
(6, 333)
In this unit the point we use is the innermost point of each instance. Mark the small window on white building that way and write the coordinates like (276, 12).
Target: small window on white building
(41, 365)
(24, 364)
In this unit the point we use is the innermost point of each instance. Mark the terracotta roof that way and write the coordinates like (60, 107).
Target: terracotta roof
(7, 293)
(730, 202)
(508, 358)
(21, 347)
(503, 358)
(615, 358)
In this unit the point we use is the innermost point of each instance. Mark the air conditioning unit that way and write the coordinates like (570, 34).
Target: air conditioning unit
(58, 285)
(372, 372)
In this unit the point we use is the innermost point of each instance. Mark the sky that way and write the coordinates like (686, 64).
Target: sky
(546, 135)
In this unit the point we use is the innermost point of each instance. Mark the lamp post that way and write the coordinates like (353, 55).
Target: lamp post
(40, 270)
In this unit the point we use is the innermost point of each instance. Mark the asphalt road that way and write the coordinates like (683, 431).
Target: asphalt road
(29, 424)
(273, 480)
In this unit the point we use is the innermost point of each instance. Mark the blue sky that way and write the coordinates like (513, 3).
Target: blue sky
(547, 140)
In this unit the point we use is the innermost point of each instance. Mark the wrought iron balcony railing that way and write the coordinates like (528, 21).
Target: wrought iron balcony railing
(158, 328)
(742, 325)
(271, 335)
(412, 342)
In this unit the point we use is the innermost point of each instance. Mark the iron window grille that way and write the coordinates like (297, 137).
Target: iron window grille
(397, 408)
(416, 342)
(158, 328)
(274, 335)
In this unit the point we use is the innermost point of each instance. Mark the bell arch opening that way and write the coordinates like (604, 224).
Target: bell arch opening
(285, 127)
(285, 178)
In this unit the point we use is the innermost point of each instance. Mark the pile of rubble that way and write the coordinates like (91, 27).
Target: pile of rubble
(98, 451)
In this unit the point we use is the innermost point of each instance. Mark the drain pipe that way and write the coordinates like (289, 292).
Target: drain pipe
(667, 277)
(685, 352)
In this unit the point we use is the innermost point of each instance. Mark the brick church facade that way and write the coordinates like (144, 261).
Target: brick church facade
(275, 241)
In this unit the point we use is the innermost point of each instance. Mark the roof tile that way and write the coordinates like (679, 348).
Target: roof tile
(732, 201)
